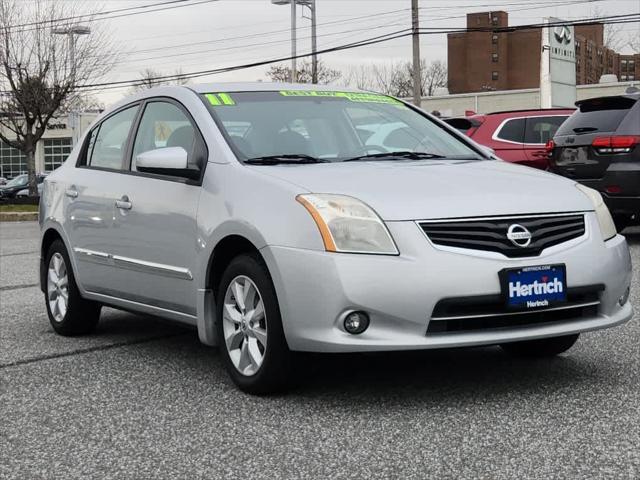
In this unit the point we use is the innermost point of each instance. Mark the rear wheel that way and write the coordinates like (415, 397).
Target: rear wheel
(69, 313)
(252, 342)
(543, 347)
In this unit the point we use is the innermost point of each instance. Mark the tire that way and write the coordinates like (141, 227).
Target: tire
(253, 347)
(542, 348)
(71, 315)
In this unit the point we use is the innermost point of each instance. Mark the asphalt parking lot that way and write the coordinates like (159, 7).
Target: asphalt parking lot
(143, 399)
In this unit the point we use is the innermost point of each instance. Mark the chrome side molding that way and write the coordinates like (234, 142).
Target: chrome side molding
(143, 266)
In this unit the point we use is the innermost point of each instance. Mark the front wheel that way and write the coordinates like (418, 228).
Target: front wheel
(69, 313)
(252, 343)
(543, 347)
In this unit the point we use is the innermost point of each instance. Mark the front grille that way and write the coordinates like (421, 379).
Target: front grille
(491, 234)
(489, 312)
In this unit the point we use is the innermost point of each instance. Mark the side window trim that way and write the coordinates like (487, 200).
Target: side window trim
(84, 159)
(496, 135)
(128, 160)
(92, 144)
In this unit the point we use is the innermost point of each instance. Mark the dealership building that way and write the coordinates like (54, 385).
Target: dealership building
(52, 149)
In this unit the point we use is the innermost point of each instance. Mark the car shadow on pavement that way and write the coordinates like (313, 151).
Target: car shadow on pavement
(444, 373)
(431, 375)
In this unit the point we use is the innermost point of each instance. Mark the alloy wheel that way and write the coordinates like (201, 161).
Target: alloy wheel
(244, 325)
(58, 287)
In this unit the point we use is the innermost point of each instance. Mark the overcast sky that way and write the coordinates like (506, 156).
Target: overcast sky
(242, 31)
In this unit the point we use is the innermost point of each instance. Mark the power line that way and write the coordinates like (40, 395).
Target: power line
(262, 34)
(87, 18)
(615, 19)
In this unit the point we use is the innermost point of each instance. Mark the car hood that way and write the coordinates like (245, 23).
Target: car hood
(404, 190)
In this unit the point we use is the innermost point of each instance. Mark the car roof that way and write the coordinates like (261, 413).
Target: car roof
(532, 111)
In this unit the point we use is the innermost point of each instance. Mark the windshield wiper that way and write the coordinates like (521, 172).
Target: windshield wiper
(285, 158)
(408, 155)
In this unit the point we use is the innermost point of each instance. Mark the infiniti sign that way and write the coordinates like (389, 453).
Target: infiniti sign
(519, 235)
(562, 34)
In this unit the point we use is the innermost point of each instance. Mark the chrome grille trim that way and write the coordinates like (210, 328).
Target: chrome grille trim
(489, 234)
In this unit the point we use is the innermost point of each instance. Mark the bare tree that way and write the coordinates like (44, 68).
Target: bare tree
(613, 33)
(434, 76)
(39, 73)
(360, 77)
(281, 73)
(396, 78)
(149, 76)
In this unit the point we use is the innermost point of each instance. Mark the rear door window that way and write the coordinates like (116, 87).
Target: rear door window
(597, 115)
(540, 130)
(512, 131)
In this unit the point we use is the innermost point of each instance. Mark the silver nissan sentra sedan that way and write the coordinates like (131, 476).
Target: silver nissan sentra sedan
(265, 216)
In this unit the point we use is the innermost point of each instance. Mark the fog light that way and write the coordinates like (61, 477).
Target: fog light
(625, 297)
(356, 322)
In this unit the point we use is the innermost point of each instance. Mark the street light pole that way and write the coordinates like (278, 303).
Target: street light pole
(311, 4)
(71, 32)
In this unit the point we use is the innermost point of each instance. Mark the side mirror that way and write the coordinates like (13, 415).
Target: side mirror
(166, 161)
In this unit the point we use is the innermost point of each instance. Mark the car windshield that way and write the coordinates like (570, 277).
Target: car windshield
(18, 181)
(302, 126)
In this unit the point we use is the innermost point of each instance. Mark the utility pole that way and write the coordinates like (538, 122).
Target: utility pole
(415, 25)
(294, 73)
(314, 43)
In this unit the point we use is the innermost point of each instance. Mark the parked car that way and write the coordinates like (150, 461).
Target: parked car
(293, 234)
(599, 146)
(18, 184)
(518, 136)
(25, 193)
(3, 181)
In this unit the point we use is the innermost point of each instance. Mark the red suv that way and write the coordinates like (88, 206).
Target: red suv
(517, 136)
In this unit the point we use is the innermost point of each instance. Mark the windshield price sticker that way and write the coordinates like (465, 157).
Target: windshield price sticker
(351, 96)
(220, 99)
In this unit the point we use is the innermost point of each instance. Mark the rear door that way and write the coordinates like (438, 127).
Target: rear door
(538, 131)
(89, 199)
(576, 155)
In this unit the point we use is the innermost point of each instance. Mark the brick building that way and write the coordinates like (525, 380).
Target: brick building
(486, 61)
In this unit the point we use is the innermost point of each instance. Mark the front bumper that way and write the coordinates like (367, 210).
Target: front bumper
(315, 289)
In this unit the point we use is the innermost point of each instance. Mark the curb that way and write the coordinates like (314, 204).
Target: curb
(18, 216)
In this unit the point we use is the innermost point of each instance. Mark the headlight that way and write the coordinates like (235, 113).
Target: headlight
(348, 225)
(607, 227)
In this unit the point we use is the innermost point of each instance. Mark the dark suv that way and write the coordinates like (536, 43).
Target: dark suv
(599, 146)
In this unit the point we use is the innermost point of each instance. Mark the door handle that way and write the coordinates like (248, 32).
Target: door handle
(124, 203)
(71, 193)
